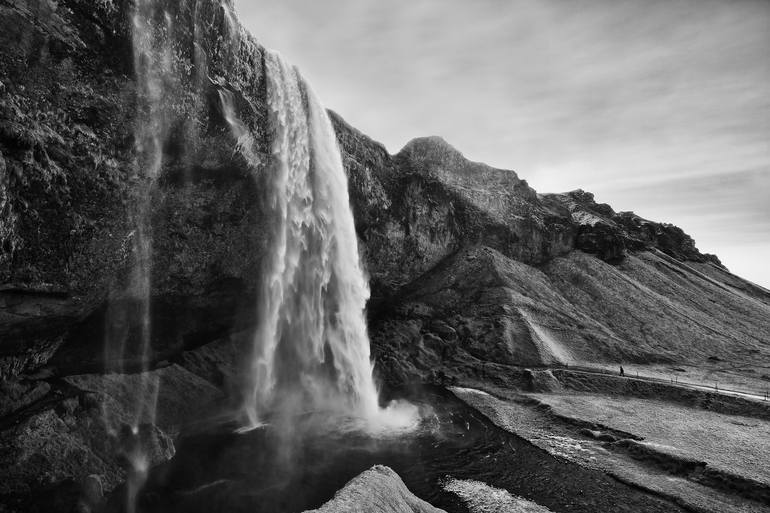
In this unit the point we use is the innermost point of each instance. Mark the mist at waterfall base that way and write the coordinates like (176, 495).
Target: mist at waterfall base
(258, 471)
(254, 472)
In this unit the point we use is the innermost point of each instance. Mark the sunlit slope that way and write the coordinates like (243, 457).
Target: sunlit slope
(658, 306)
(579, 309)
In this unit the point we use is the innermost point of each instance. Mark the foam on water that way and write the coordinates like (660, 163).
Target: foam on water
(482, 498)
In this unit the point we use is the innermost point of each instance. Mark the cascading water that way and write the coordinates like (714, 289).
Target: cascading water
(128, 339)
(153, 65)
(311, 348)
(152, 62)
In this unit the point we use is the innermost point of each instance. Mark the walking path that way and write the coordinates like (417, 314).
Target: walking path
(674, 381)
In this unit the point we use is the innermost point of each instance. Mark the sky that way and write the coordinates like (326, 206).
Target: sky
(657, 106)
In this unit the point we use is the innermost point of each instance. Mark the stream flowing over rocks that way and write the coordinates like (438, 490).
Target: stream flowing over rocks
(180, 261)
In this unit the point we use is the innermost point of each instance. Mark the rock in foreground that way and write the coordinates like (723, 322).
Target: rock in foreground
(379, 489)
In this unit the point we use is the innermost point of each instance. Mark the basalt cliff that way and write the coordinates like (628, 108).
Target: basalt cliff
(473, 273)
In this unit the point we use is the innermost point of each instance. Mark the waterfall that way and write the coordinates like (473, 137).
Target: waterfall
(156, 79)
(152, 62)
(311, 348)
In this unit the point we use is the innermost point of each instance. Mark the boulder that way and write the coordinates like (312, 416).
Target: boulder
(543, 381)
(163, 395)
(15, 394)
(378, 489)
(50, 459)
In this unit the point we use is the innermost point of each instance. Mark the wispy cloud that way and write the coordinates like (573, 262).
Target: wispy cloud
(661, 106)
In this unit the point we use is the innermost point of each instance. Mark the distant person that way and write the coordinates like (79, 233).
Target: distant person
(621, 371)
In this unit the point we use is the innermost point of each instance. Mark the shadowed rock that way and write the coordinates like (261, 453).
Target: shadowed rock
(577, 309)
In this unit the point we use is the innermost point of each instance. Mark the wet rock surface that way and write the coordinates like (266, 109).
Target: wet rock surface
(51, 456)
(174, 384)
(72, 187)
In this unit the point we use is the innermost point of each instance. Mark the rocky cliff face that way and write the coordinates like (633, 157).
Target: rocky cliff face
(469, 266)
(607, 234)
(425, 203)
(72, 183)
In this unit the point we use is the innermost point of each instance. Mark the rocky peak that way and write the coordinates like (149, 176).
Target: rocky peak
(433, 156)
(433, 151)
(498, 192)
(609, 234)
